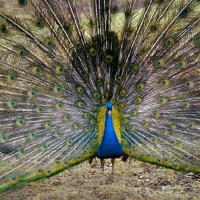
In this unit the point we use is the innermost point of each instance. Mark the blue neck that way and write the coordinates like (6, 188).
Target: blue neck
(110, 147)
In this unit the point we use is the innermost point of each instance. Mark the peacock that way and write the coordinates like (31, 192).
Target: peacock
(81, 79)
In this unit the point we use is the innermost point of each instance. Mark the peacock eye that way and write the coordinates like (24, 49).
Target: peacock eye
(140, 87)
(86, 77)
(32, 135)
(32, 93)
(131, 128)
(153, 139)
(3, 29)
(138, 100)
(169, 41)
(81, 104)
(4, 139)
(20, 122)
(119, 79)
(159, 63)
(60, 70)
(40, 109)
(122, 93)
(144, 123)
(163, 131)
(39, 23)
(22, 53)
(87, 129)
(67, 117)
(181, 64)
(92, 121)
(133, 112)
(22, 151)
(76, 126)
(189, 84)
(58, 89)
(99, 82)
(172, 125)
(78, 45)
(96, 95)
(44, 147)
(185, 105)
(134, 69)
(22, 2)
(59, 105)
(198, 42)
(103, 101)
(49, 43)
(130, 31)
(38, 69)
(80, 90)
(48, 124)
(69, 142)
(164, 83)
(185, 12)
(121, 106)
(155, 114)
(109, 59)
(93, 52)
(58, 133)
(67, 27)
(191, 125)
(186, 166)
(154, 28)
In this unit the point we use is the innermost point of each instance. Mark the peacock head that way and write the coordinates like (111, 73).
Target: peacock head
(109, 108)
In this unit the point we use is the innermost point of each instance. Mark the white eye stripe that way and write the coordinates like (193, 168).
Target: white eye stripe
(109, 113)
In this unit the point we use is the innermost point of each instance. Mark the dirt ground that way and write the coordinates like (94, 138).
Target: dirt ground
(133, 180)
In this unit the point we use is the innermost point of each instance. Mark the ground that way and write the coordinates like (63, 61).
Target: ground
(133, 180)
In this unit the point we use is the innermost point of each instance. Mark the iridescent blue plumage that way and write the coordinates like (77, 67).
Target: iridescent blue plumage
(110, 147)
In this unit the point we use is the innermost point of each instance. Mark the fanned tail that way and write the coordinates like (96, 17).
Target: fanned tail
(161, 114)
(61, 61)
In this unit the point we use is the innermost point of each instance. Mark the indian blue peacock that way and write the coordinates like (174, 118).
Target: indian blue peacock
(98, 78)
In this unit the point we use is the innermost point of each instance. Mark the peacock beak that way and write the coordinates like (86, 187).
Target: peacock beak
(109, 108)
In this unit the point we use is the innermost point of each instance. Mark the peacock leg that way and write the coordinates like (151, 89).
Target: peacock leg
(113, 162)
(102, 167)
(90, 161)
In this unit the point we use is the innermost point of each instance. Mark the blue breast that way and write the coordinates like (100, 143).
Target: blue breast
(110, 147)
